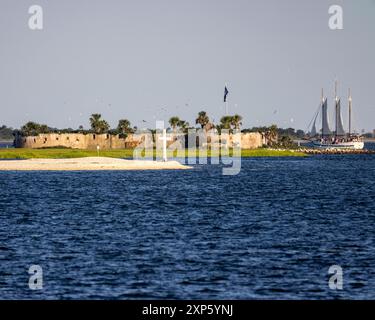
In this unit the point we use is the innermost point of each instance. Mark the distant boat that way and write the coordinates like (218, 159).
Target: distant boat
(337, 139)
(353, 145)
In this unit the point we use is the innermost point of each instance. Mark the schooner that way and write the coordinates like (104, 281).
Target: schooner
(337, 139)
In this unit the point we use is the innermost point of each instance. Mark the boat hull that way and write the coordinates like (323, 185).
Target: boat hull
(351, 145)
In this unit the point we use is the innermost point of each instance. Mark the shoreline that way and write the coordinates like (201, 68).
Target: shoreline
(337, 151)
(57, 153)
(127, 154)
(88, 164)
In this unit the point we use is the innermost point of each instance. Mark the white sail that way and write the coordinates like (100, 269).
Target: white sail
(339, 125)
(313, 131)
(325, 122)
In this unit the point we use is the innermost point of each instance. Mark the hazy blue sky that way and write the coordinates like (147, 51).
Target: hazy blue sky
(130, 59)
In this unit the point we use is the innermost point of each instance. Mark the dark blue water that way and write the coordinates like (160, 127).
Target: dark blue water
(270, 232)
(6, 145)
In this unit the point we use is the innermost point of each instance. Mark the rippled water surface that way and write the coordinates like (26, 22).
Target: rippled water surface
(5, 145)
(270, 232)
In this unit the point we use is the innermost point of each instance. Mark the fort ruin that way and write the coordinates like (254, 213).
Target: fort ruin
(91, 141)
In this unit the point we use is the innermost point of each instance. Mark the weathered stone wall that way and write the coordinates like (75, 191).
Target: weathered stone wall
(76, 141)
(252, 140)
(106, 141)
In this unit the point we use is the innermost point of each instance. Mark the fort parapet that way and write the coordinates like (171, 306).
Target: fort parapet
(75, 141)
(91, 141)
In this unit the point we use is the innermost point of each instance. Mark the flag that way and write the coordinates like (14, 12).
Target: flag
(225, 93)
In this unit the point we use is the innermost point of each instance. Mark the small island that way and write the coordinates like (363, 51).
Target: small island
(40, 141)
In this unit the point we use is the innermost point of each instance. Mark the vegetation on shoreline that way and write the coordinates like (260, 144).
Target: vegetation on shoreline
(264, 152)
(60, 153)
(6, 134)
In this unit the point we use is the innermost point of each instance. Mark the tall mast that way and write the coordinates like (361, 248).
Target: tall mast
(350, 113)
(322, 113)
(336, 106)
(336, 90)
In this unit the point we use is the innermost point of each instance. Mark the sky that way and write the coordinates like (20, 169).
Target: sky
(148, 60)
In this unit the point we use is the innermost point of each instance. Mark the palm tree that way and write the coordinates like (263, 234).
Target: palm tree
(104, 126)
(95, 121)
(236, 121)
(218, 128)
(98, 125)
(202, 119)
(271, 134)
(124, 126)
(174, 121)
(273, 131)
(183, 124)
(225, 122)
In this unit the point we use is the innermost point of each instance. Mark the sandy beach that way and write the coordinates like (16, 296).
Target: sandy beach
(89, 163)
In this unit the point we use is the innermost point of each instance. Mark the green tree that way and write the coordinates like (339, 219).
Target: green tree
(124, 127)
(226, 122)
(271, 135)
(174, 121)
(6, 133)
(95, 122)
(286, 142)
(98, 125)
(43, 129)
(202, 119)
(236, 121)
(33, 129)
(183, 124)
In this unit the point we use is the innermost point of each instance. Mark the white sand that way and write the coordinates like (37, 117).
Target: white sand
(89, 163)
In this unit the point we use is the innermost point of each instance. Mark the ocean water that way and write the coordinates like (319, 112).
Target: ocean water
(271, 232)
(6, 145)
